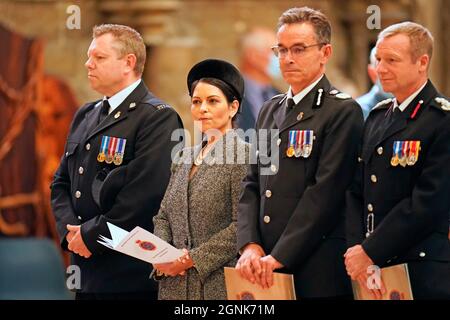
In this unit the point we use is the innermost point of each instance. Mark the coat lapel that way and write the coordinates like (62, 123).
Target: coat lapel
(121, 112)
(304, 109)
(427, 93)
(91, 118)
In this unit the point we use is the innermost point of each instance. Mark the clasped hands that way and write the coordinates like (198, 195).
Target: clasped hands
(358, 264)
(177, 267)
(257, 267)
(75, 241)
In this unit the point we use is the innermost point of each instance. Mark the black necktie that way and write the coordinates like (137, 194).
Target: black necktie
(289, 106)
(389, 119)
(104, 111)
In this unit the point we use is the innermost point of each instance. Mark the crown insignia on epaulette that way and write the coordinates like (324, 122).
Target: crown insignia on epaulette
(445, 104)
(339, 95)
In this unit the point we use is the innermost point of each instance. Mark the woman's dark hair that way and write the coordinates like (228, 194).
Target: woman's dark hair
(228, 92)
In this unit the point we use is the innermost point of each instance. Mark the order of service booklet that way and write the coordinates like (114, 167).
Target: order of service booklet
(141, 244)
(242, 289)
(395, 280)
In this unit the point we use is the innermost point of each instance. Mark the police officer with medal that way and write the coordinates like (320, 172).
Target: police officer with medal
(290, 219)
(116, 167)
(399, 203)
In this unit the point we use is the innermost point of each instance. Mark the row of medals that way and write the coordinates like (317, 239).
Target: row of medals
(299, 151)
(409, 157)
(403, 161)
(117, 159)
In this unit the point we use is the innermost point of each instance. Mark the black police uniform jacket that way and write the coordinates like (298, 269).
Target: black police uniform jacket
(147, 124)
(410, 204)
(296, 214)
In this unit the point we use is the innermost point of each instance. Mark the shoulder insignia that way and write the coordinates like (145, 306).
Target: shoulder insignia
(161, 106)
(445, 104)
(281, 95)
(277, 96)
(334, 92)
(382, 103)
(340, 95)
(343, 96)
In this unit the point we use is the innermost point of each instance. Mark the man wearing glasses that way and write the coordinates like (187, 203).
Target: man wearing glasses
(292, 220)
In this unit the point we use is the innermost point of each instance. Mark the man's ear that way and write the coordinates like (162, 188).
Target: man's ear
(326, 53)
(424, 61)
(131, 62)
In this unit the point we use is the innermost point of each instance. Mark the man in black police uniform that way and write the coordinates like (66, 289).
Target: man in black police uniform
(398, 206)
(116, 167)
(293, 219)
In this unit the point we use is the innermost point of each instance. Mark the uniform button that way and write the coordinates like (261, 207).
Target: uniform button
(80, 170)
(268, 193)
(422, 254)
(373, 178)
(278, 142)
(380, 150)
(77, 194)
(88, 146)
(273, 168)
(266, 219)
(370, 207)
(359, 159)
(67, 154)
(79, 217)
(257, 153)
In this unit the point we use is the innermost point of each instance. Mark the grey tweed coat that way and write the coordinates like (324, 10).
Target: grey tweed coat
(200, 214)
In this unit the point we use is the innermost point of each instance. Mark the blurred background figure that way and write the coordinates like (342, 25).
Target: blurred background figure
(259, 67)
(376, 93)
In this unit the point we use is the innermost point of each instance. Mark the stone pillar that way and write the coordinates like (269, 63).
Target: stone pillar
(425, 13)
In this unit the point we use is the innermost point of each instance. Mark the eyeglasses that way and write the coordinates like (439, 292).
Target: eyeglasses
(296, 50)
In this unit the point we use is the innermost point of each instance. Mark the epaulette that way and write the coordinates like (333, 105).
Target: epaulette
(277, 95)
(339, 95)
(161, 106)
(154, 102)
(382, 103)
(445, 104)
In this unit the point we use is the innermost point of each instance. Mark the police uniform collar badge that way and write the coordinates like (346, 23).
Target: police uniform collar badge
(318, 99)
(416, 109)
(405, 153)
(300, 143)
(112, 150)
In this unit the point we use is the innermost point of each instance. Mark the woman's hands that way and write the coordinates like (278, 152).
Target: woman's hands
(176, 267)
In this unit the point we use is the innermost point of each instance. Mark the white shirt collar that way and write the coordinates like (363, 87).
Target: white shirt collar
(299, 96)
(408, 100)
(120, 96)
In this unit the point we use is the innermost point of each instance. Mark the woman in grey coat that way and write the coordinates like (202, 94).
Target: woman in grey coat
(198, 212)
